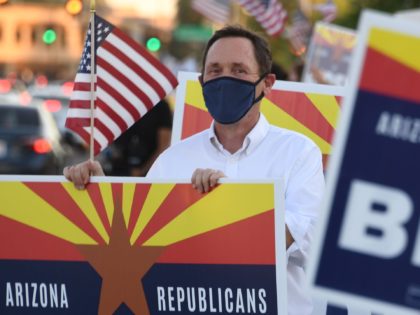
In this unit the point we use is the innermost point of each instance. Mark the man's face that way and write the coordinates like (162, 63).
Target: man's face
(231, 56)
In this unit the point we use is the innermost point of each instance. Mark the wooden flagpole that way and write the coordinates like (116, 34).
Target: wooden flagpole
(92, 78)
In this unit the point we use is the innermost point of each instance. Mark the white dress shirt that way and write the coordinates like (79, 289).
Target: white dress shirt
(267, 152)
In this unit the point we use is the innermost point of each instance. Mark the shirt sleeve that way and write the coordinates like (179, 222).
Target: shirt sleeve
(304, 190)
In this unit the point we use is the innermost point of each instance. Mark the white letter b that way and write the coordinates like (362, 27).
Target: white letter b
(375, 208)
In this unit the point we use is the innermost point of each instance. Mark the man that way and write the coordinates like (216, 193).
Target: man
(241, 144)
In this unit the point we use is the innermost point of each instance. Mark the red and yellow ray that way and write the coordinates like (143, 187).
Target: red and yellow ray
(39, 216)
(312, 114)
(198, 120)
(195, 117)
(22, 204)
(21, 241)
(392, 65)
(205, 214)
(222, 244)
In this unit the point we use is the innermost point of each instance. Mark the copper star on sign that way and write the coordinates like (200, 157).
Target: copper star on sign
(121, 266)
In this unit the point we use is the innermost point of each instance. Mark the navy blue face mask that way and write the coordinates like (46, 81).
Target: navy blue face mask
(228, 99)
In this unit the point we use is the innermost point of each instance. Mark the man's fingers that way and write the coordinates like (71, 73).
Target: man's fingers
(199, 178)
(78, 177)
(95, 168)
(194, 178)
(80, 173)
(66, 172)
(214, 177)
(204, 179)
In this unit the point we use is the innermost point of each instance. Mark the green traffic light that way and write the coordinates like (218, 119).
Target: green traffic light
(153, 44)
(49, 36)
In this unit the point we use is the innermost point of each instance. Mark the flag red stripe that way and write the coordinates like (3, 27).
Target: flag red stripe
(79, 121)
(109, 111)
(104, 130)
(126, 82)
(272, 18)
(80, 104)
(212, 10)
(136, 68)
(146, 55)
(274, 22)
(119, 98)
(78, 128)
(81, 86)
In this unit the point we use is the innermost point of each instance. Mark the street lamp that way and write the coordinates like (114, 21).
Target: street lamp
(74, 7)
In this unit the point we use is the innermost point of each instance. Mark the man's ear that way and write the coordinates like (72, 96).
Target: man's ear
(269, 81)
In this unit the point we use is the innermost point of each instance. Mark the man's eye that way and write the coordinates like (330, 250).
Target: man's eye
(239, 71)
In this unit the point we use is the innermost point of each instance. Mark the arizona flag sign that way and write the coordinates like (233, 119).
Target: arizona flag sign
(140, 247)
(310, 109)
(367, 249)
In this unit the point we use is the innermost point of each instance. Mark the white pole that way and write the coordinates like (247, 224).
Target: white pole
(92, 77)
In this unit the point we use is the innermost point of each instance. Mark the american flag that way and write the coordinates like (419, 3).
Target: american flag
(129, 82)
(299, 32)
(269, 13)
(217, 11)
(328, 10)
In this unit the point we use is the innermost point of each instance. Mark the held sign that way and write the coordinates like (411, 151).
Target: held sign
(367, 250)
(134, 246)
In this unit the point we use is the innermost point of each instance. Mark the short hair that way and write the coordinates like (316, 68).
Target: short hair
(262, 50)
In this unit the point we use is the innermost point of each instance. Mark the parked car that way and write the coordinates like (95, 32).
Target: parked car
(30, 142)
(55, 97)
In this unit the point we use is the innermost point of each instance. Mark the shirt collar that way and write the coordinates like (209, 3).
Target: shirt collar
(252, 139)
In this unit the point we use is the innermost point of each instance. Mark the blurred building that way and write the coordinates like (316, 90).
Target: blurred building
(44, 38)
(39, 38)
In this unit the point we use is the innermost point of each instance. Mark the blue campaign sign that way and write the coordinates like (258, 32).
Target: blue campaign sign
(368, 247)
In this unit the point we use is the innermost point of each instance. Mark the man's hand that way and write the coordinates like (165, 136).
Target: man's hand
(205, 179)
(80, 173)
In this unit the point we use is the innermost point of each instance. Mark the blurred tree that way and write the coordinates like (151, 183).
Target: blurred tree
(356, 6)
(187, 19)
(186, 15)
(348, 16)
